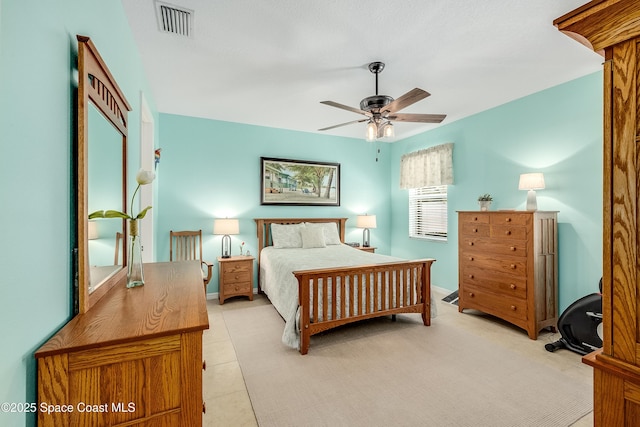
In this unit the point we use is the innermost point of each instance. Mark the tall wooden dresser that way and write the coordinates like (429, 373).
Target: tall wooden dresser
(612, 28)
(133, 359)
(508, 266)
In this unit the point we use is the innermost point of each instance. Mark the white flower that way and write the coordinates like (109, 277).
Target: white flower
(144, 177)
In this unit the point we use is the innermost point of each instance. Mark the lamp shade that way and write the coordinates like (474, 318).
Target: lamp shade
(366, 221)
(531, 181)
(226, 226)
(93, 230)
(372, 131)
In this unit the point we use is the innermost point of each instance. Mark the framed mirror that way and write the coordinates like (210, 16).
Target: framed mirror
(101, 176)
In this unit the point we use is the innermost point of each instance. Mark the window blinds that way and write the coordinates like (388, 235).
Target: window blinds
(428, 212)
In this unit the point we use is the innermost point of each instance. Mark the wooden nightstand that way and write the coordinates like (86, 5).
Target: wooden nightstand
(371, 249)
(236, 277)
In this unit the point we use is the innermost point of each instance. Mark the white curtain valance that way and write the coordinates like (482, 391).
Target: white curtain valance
(428, 167)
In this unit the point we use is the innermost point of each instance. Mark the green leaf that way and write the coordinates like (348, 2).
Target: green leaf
(96, 214)
(116, 214)
(143, 212)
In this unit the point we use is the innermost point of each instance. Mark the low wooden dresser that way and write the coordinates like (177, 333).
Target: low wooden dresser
(235, 277)
(508, 266)
(133, 359)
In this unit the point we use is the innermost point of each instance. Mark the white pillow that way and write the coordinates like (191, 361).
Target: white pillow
(312, 238)
(331, 236)
(286, 235)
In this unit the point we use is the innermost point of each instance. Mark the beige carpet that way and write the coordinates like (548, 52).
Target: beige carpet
(383, 373)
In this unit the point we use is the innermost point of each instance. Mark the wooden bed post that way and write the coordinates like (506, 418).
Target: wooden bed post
(303, 303)
(426, 291)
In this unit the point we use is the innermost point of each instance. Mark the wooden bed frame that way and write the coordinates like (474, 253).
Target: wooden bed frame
(379, 289)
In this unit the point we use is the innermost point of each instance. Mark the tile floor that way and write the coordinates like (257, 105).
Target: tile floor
(226, 397)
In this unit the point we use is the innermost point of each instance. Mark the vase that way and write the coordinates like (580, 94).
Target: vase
(484, 204)
(135, 271)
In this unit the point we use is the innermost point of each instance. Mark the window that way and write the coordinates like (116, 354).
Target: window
(428, 212)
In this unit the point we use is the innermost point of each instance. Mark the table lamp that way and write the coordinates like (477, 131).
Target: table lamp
(226, 227)
(366, 222)
(531, 182)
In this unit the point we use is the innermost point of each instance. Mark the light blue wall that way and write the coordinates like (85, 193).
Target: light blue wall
(558, 132)
(211, 169)
(38, 77)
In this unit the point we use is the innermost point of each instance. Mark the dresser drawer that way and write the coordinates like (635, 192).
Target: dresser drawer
(508, 231)
(474, 229)
(515, 266)
(494, 246)
(513, 218)
(496, 304)
(503, 284)
(475, 217)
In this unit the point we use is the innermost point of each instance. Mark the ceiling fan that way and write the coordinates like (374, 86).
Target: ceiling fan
(382, 109)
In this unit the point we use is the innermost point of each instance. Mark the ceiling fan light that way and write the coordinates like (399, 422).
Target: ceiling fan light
(389, 131)
(372, 131)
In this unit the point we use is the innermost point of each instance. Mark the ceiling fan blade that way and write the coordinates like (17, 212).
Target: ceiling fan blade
(411, 97)
(418, 118)
(344, 124)
(345, 107)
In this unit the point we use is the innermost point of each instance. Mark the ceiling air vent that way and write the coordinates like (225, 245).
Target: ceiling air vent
(174, 19)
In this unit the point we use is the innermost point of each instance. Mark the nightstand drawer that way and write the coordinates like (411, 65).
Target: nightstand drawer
(236, 276)
(231, 289)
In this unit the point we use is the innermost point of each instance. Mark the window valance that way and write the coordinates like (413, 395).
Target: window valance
(428, 167)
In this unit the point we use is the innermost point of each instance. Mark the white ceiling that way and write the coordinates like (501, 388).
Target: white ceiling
(270, 63)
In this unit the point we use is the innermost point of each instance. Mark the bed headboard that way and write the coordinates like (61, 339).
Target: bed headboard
(264, 228)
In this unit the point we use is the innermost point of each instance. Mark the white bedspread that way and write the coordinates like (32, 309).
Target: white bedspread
(277, 282)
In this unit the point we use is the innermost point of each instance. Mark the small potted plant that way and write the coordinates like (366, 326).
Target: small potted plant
(485, 201)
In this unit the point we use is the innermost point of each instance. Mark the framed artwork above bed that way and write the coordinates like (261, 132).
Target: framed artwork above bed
(299, 182)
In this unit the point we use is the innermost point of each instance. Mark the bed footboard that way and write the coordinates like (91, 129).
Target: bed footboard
(336, 296)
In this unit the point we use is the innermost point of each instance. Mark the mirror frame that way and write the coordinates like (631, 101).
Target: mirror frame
(96, 84)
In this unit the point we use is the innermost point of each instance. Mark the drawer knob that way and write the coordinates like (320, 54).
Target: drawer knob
(513, 266)
(508, 232)
(508, 219)
(471, 276)
(470, 243)
(514, 308)
(470, 258)
(512, 286)
(475, 218)
(471, 294)
(475, 230)
(204, 365)
(513, 248)
(204, 407)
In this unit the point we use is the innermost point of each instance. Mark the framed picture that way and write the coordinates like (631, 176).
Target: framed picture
(299, 182)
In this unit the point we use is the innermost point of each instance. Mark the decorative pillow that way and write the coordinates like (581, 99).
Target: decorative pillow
(312, 238)
(331, 236)
(286, 235)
